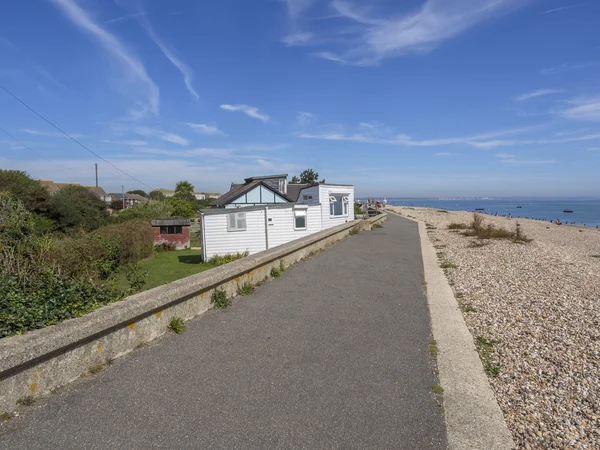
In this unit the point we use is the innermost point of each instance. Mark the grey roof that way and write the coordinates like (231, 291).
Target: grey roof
(172, 221)
(293, 190)
(265, 177)
(241, 189)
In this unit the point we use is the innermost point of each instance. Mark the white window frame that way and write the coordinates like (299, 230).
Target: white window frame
(239, 221)
(299, 212)
(333, 200)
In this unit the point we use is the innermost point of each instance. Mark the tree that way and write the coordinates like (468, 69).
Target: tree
(116, 205)
(185, 190)
(180, 207)
(139, 192)
(75, 207)
(156, 195)
(295, 180)
(21, 186)
(148, 210)
(16, 222)
(309, 176)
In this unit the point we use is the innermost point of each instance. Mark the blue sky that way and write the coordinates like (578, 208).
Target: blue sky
(400, 98)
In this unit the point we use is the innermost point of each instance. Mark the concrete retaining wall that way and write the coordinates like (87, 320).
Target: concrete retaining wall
(40, 361)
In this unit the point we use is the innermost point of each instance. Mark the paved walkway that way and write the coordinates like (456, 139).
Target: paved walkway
(334, 354)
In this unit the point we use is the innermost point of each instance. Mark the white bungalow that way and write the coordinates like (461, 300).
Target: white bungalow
(257, 224)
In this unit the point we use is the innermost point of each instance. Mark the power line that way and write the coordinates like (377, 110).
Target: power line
(31, 150)
(70, 137)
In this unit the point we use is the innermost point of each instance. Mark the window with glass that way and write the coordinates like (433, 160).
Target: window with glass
(236, 221)
(338, 205)
(300, 219)
(171, 229)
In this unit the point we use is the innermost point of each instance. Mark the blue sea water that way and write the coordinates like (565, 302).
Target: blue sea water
(585, 212)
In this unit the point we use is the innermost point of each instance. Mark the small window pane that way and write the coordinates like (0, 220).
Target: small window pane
(164, 230)
(178, 229)
(300, 222)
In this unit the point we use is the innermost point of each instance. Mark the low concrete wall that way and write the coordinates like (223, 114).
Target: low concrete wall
(40, 361)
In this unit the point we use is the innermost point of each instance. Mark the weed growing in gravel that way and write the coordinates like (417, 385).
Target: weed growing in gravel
(489, 231)
(219, 299)
(459, 295)
(26, 400)
(437, 389)
(246, 289)
(377, 225)
(468, 308)
(4, 416)
(275, 272)
(458, 226)
(429, 226)
(443, 211)
(595, 256)
(176, 325)
(98, 368)
(433, 349)
(485, 348)
(477, 244)
(448, 265)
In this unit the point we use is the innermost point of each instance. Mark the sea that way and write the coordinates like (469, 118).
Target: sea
(586, 212)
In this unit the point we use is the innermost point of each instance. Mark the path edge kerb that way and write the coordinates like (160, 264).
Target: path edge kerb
(473, 417)
(40, 361)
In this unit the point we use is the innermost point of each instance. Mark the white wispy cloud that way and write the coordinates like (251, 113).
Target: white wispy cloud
(214, 152)
(528, 162)
(444, 154)
(210, 130)
(561, 8)
(509, 143)
(585, 109)
(54, 134)
(125, 142)
(126, 17)
(250, 111)
(135, 75)
(301, 38)
(538, 93)
(185, 70)
(593, 149)
(505, 155)
(163, 135)
(376, 34)
(405, 140)
(297, 7)
(569, 68)
(304, 118)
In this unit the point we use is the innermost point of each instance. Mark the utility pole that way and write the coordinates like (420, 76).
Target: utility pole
(96, 166)
(123, 194)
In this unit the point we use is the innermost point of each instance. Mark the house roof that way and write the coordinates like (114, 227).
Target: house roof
(241, 189)
(50, 185)
(127, 196)
(265, 177)
(172, 221)
(62, 185)
(293, 190)
(97, 190)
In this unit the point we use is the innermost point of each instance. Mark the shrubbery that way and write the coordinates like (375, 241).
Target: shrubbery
(219, 260)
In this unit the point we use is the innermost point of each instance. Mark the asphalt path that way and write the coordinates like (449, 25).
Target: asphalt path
(333, 354)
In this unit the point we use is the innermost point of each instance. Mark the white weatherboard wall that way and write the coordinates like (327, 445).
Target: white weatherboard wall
(325, 191)
(218, 241)
(281, 224)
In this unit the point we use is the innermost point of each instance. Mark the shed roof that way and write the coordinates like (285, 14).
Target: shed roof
(170, 222)
(265, 177)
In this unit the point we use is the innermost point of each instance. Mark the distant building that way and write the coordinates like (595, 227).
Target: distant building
(53, 188)
(130, 199)
(198, 195)
(172, 231)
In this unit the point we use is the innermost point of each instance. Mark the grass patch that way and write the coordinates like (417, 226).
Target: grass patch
(195, 242)
(246, 289)
(485, 348)
(26, 400)
(429, 226)
(219, 299)
(458, 226)
(4, 416)
(275, 273)
(437, 389)
(433, 349)
(354, 230)
(219, 260)
(98, 368)
(164, 267)
(479, 230)
(176, 325)
(477, 244)
(376, 226)
(448, 265)
(468, 308)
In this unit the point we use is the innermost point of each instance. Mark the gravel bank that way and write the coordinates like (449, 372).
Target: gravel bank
(534, 312)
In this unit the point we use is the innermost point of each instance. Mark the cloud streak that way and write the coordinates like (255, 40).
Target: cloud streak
(250, 111)
(135, 74)
(209, 130)
(165, 136)
(538, 93)
(588, 109)
(374, 36)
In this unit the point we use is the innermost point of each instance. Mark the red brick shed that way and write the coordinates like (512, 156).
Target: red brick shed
(175, 231)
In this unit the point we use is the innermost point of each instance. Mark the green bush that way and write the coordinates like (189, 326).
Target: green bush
(22, 187)
(47, 298)
(136, 238)
(165, 247)
(219, 299)
(147, 210)
(75, 207)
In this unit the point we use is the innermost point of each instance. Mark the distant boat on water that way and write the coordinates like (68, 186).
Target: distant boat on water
(519, 207)
(479, 209)
(568, 211)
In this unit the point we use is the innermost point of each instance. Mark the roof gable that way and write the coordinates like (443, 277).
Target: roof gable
(239, 190)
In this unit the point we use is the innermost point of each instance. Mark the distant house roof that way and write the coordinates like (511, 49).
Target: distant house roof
(293, 190)
(264, 177)
(240, 189)
(96, 190)
(63, 185)
(127, 196)
(166, 191)
(50, 185)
